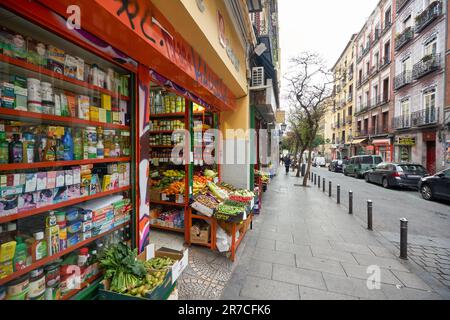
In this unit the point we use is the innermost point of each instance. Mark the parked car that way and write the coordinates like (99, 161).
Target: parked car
(335, 166)
(359, 165)
(345, 162)
(436, 187)
(319, 162)
(396, 175)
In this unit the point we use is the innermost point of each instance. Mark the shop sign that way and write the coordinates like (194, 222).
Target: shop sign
(280, 116)
(224, 42)
(406, 141)
(144, 19)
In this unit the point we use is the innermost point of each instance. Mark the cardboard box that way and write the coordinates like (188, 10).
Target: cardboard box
(201, 237)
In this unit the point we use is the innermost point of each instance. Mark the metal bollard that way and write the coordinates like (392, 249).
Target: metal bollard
(403, 238)
(350, 202)
(319, 182)
(338, 194)
(369, 214)
(323, 185)
(329, 188)
(315, 179)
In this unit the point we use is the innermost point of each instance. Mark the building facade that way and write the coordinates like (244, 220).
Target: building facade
(420, 47)
(343, 102)
(447, 94)
(326, 131)
(374, 90)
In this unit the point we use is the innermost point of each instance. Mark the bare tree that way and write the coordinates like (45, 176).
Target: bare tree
(309, 87)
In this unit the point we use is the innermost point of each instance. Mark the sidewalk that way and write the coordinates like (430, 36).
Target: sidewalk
(304, 246)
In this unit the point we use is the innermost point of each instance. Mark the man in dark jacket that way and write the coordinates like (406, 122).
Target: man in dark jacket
(287, 163)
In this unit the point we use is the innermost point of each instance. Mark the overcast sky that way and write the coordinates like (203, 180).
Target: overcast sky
(322, 26)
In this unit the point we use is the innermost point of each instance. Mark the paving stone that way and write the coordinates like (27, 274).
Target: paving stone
(381, 252)
(332, 254)
(352, 287)
(287, 237)
(319, 264)
(402, 293)
(315, 294)
(446, 282)
(264, 289)
(350, 247)
(265, 244)
(298, 276)
(387, 263)
(410, 280)
(260, 269)
(301, 250)
(360, 272)
(274, 256)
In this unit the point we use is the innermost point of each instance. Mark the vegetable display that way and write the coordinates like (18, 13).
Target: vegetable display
(217, 191)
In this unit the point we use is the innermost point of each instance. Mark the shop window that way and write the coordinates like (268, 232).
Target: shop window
(405, 153)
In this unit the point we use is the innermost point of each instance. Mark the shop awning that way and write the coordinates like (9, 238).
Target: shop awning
(358, 141)
(381, 141)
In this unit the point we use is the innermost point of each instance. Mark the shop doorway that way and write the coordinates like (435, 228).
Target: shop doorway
(431, 157)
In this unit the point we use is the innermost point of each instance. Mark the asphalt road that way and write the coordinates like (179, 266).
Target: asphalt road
(428, 219)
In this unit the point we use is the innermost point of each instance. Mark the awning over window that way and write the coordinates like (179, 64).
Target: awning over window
(381, 141)
(358, 141)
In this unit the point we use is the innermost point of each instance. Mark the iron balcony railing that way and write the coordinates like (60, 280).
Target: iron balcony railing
(403, 38)
(402, 122)
(349, 120)
(426, 65)
(402, 79)
(374, 102)
(363, 108)
(350, 97)
(384, 62)
(350, 76)
(377, 36)
(361, 133)
(424, 117)
(433, 11)
(401, 4)
(387, 26)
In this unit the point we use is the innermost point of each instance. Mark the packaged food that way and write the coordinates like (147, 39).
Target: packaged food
(56, 59)
(18, 289)
(70, 66)
(37, 52)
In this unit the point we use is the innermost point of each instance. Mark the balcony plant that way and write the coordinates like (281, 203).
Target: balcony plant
(427, 57)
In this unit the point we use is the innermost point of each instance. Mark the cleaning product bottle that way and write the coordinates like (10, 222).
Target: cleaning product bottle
(77, 145)
(21, 254)
(16, 149)
(4, 148)
(28, 148)
(68, 145)
(39, 248)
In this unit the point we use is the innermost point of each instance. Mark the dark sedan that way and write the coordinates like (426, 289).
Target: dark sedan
(396, 175)
(335, 166)
(436, 187)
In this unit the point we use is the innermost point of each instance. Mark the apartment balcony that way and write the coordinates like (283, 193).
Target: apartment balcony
(364, 52)
(387, 26)
(350, 98)
(430, 14)
(361, 133)
(363, 109)
(403, 38)
(401, 122)
(384, 62)
(428, 64)
(349, 120)
(424, 117)
(377, 36)
(350, 76)
(401, 4)
(402, 79)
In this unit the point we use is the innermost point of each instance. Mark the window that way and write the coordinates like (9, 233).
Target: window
(429, 99)
(430, 47)
(406, 64)
(350, 111)
(377, 59)
(366, 160)
(405, 107)
(387, 17)
(407, 23)
(375, 92)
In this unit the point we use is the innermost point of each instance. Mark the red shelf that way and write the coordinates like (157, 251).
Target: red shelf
(56, 206)
(49, 73)
(196, 216)
(168, 115)
(19, 115)
(46, 260)
(50, 164)
(162, 131)
(169, 203)
(167, 228)
(85, 284)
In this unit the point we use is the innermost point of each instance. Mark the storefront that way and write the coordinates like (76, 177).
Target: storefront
(87, 124)
(404, 145)
(383, 148)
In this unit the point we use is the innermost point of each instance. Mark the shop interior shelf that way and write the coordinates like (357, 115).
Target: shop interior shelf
(25, 69)
(85, 284)
(196, 216)
(168, 203)
(47, 260)
(63, 204)
(168, 115)
(167, 228)
(52, 164)
(18, 115)
(161, 131)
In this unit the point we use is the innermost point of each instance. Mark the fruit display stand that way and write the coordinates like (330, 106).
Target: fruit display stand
(66, 131)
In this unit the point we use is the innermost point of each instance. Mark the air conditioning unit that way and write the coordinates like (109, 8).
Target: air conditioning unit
(257, 77)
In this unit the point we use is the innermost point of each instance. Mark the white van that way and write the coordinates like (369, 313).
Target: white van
(319, 162)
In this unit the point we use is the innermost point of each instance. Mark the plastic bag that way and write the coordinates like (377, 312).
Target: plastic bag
(223, 240)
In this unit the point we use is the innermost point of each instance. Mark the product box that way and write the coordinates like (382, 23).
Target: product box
(58, 110)
(21, 102)
(101, 115)
(52, 237)
(37, 52)
(7, 90)
(80, 69)
(86, 226)
(70, 66)
(60, 194)
(200, 234)
(8, 205)
(93, 113)
(44, 197)
(73, 240)
(86, 215)
(83, 107)
(51, 179)
(55, 59)
(76, 175)
(68, 177)
(123, 112)
(8, 102)
(60, 178)
(64, 105)
(86, 235)
(115, 117)
(41, 181)
(71, 105)
(27, 201)
(73, 192)
(106, 102)
(10, 191)
(30, 182)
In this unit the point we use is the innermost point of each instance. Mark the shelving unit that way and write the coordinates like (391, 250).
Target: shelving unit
(52, 164)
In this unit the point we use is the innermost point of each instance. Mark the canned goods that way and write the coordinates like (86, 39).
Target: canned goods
(46, 91)
(18, 289)
(34, 90)
(37, 285)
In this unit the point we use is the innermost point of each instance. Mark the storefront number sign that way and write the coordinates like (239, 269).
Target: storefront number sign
(406, 141)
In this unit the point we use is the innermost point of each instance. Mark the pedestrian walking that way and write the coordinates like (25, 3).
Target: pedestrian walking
(287, 163)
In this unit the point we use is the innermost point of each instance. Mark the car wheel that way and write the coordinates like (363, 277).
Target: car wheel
(427, 192)
(366, 177)
(385, 183)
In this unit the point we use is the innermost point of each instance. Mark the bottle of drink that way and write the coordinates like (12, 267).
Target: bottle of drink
(16, 149)
(4, 148)
(68, 145)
